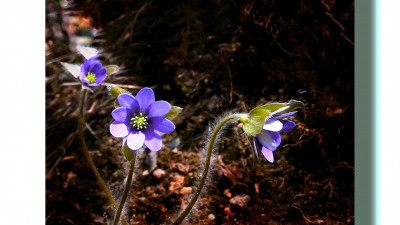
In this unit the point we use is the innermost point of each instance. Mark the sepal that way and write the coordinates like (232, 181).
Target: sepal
(129, 154)
(175, 110)
(111, 69)
(115, 91)
(256, 151)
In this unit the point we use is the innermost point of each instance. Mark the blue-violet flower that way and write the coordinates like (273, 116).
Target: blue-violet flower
(269, 138)
(141, 119)
(92, 73)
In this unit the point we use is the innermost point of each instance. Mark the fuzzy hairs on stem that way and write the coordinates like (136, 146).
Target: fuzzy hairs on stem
(211, 142)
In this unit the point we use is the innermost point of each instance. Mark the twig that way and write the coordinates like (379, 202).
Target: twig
(335, 21)
(347, 39)
(59, 58)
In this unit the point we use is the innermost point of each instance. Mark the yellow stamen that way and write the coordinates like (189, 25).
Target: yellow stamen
(91, 77)
(139, 121)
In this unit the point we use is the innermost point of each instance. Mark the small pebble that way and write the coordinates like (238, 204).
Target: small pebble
(228, 193)
(158, 173)
(186, 190)
(240, 200)
(227, 210)
(176, 183)
(145, 173)
(174, 143)
(211, 216)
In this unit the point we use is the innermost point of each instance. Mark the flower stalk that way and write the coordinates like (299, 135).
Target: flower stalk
(89, 159)
(203, 176)
(126, 190)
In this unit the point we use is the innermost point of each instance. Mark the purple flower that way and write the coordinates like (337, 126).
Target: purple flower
(269, 138)
(141, 120)
(92, 73)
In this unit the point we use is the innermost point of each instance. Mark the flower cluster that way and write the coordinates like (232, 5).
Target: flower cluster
(141, 119)
(269, 138)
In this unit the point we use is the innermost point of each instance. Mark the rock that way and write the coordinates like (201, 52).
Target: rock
(228, 193)
(240, 200)
(174, 143)
(186, 190)
(227, 210)
(158, 173)
(181, 167)
(211, 216)
(145, 173)
(176, 183)
(213, 102)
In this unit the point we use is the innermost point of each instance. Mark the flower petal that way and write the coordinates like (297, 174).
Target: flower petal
(268, 139)
(277, 137)
(99, 70)
(135, 140)
(285, 115)
(100, 79)
(287, 125)
(162, 125)
(256, 147)
(280, 110)
(118, 129)
(158, 108)
(273, 125)
(145, 97)
(268, 154)
(93, 84)
(128, 101)
(85, 67)
(72, 68)
(85, 81)
(121, 114)
(87, 52)
(95, 68)
(153, 141)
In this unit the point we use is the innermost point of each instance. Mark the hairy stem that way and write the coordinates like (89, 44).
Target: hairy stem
(126, 190)
(89, 159)
(203, 176)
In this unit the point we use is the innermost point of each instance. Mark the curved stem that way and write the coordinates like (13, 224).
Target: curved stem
(125, 194)
(89, 159)
(203, 176)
